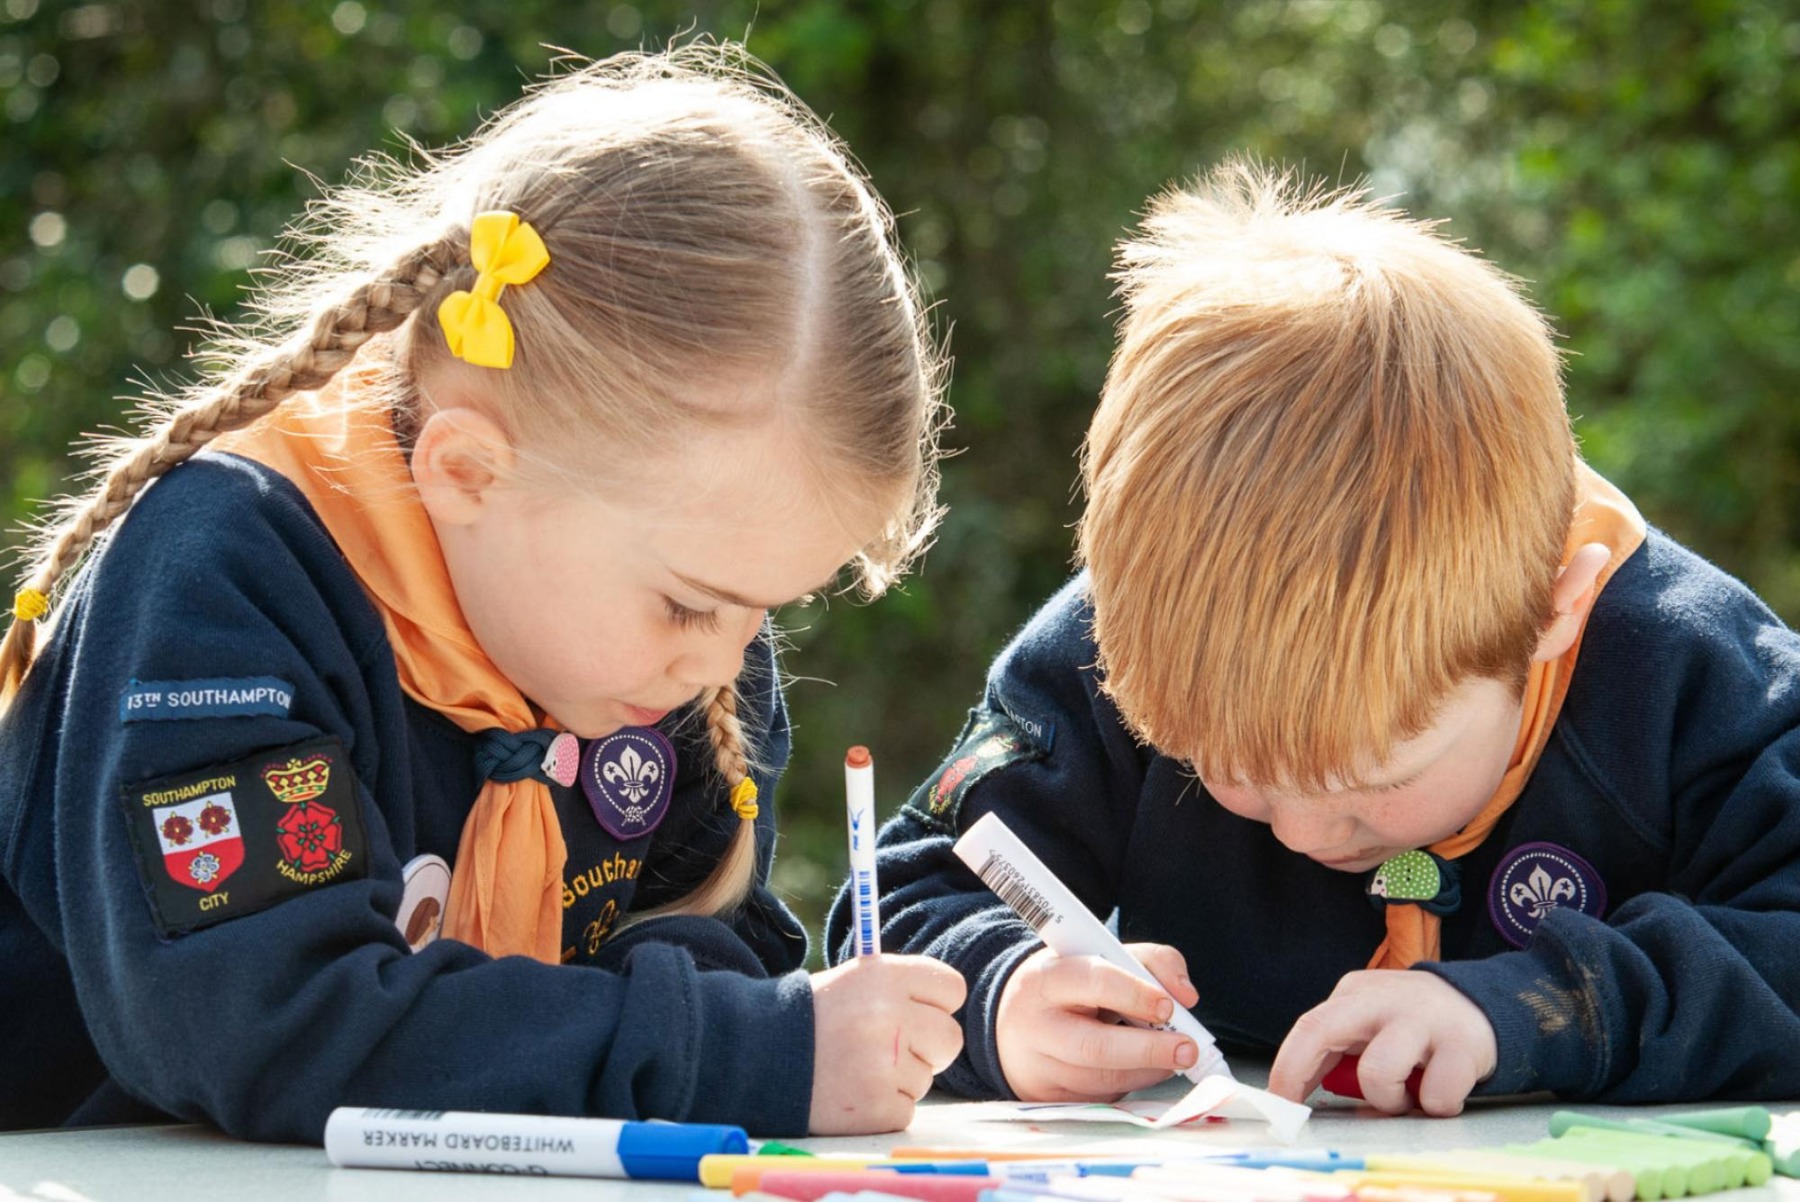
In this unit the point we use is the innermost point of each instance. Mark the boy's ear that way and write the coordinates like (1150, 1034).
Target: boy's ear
(1570, 598)
(460, 456)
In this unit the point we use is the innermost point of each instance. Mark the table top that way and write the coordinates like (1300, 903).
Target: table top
(147, 1164)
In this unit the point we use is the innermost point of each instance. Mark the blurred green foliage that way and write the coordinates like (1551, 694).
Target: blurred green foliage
(1638, 163)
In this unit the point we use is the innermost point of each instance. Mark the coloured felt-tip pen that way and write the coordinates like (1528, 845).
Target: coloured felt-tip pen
(523, 1145)
(1008, 867)
(859, 813)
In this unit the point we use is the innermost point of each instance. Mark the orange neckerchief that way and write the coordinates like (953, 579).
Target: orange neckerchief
(506, 891)
(1603, 514)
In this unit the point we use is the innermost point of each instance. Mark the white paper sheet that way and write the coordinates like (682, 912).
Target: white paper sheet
(1215, 1097)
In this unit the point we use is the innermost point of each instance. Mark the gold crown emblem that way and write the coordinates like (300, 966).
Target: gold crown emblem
(298, 780)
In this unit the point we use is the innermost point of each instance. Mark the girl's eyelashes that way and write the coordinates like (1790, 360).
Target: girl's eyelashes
(691, 619)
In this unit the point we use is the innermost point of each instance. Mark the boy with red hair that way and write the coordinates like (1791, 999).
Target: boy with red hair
(1368, 671)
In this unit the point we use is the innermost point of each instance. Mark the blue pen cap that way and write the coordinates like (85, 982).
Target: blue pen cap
(672, 1151)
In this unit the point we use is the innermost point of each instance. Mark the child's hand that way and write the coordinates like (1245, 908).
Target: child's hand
(1059, 1033)
(882, 1029)
(1397, 1021)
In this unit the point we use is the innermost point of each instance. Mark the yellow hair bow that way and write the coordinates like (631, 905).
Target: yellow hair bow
(504, 251)
(30, 604)
(743, 799)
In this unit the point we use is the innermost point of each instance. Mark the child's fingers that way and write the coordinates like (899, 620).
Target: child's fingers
(914, 1078)
(1089, 1043)
(1450, 1075)
(1318, 1039)
(1388, 1060)
(1296, 1073)
(1090, 983)
(933, 982)
(936, 1038)
(1168, 966)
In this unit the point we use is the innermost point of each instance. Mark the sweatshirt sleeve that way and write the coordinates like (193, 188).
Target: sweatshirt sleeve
(1689, 989)
(262, 1023)
(1046, 752)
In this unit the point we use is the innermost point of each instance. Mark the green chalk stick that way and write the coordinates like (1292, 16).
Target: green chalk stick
(1618, 1145)
(1705, 1173)
(1562, 1121)
(1785, 1161)
(1737, 1162)
(1745, 1122)
(1710, 1166)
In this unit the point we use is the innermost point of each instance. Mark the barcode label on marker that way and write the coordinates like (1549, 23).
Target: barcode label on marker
(998, 874)
(416, 1116)
(865, 909)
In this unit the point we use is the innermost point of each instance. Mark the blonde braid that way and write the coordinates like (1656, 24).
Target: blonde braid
(261, 382)
(729, 882)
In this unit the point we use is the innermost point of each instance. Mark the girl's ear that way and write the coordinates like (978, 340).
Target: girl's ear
(459, 458)
(1570, 599)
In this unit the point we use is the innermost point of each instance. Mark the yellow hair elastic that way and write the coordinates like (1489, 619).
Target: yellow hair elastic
(743, 799)
(504, 251)
(30, 604)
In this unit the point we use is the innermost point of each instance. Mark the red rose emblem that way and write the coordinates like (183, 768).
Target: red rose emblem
(310, 836)
(952, 777)
(215, 819)
(177, 829)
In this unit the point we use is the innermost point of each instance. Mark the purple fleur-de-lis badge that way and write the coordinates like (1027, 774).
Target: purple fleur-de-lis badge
(628, 778)
(1534, 879)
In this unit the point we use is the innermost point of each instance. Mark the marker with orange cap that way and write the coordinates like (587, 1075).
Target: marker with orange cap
(859, 806)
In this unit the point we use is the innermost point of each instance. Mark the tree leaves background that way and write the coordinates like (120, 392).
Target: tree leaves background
(1638, 165)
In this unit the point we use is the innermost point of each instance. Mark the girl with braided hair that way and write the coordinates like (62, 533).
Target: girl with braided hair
(457, 569)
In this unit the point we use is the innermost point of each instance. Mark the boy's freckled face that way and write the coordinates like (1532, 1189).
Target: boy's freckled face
(610, 612)
(1431, 787)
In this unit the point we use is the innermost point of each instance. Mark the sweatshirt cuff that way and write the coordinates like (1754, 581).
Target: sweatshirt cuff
(1546, 1031)
(755, 1055)
(977, 1071)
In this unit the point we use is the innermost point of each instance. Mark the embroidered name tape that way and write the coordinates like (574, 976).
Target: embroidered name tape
(220, 697)
(990, 741)
(1038, 731)
(238, 838)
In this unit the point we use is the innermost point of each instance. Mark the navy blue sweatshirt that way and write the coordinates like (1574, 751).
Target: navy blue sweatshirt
(222, 596)
(1629, 927)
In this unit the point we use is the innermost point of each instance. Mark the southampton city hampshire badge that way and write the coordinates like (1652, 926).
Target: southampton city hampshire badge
(628, 778)
(230, 839)
(308, 833)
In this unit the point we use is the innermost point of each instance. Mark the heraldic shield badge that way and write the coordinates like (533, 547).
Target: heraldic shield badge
(202, 843)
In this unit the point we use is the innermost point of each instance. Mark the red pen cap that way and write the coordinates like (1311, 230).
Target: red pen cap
(1342, 1080)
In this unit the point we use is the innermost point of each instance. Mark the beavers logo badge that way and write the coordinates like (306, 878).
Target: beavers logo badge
(1534, 879)
(628, 778)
